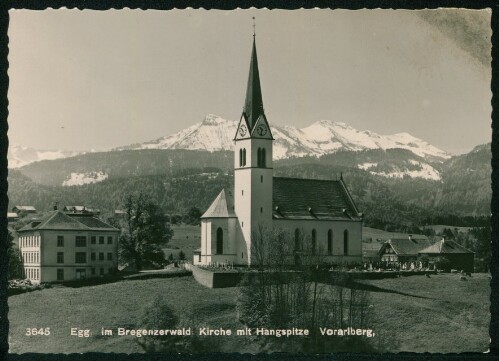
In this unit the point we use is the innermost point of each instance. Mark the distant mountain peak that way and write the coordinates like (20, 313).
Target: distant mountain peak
(215, 133)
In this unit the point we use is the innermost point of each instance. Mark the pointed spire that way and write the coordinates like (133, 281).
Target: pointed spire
(253, 106)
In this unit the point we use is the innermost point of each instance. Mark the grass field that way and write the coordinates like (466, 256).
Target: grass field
(374, 234)
(440, 314)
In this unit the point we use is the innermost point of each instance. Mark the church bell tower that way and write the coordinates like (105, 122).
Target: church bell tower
(253, 169)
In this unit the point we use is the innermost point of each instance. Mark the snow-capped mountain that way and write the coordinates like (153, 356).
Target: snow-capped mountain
(323, 137)
(78, 179)
(18, 155)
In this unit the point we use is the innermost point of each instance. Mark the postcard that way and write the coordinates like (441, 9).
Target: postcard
(252, 181)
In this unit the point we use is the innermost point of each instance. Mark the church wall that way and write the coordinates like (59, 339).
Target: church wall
(322, 227)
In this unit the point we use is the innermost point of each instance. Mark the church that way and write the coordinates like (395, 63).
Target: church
(322, 212)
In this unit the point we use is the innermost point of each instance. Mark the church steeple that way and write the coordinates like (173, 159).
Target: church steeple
(253, 105)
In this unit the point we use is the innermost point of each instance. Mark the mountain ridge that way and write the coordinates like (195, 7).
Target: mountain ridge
(215, 133)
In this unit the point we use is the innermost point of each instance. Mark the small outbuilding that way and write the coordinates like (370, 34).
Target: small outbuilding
(459, 257)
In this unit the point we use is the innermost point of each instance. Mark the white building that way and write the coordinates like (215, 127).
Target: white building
(321, 211)
(63, 247)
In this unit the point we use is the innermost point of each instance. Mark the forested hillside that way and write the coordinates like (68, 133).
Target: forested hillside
(181, 179)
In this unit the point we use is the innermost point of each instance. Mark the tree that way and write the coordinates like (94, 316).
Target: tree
(15, 263)
(144, 230)
(181, 255)
(193, 216)
(282, 295)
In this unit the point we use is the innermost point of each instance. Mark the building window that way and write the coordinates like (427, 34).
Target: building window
(101, 271)
(80, 257)
(60, 257)
(109, 256)
(93, 240)
(242, 254)
(261, 209)
(240, 157)
(60, 274)
(261, 179)
(60, 241)
(101, 256)
(101, 239)
(314, 240)
(330, 242)
(110, 240)
(244, 157)
(93, 271)
(81, 241)
(92, 256)
(261, 158)
(242, 192)
(199, 257)
(345, 242)
(81, 273)
(220, 241)
(297, 240)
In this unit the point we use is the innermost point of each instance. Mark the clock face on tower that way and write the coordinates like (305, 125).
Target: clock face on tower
(242, 130)
(261, 130)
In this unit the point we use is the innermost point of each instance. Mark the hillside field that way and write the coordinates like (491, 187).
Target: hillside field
(186, 238)
(440, 314)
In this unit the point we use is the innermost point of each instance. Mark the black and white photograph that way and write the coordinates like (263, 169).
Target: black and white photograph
(249, 181)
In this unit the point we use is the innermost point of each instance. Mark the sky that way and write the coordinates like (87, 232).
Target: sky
(82, 80)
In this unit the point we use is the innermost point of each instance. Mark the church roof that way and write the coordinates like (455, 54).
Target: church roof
(253, 105)
(444, 246)
(221, 207)
(312, 199)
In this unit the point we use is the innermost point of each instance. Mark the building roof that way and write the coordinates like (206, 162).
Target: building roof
(253, 105)
(12, 215)
(444, 247)
(221, 207)
(25, 208)
(74, 208)
(58, 220)
(313, 199)
(406, 246)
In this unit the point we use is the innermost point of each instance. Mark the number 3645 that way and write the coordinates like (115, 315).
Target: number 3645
(44, 331)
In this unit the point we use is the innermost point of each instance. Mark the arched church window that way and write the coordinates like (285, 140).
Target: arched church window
(297, 240)
(345, 242)
(241, 157)
(220, 241)
(314, 240)
(263, 158)
(244, 157)
(330, 242)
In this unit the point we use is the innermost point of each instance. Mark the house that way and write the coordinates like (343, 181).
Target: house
(459, 257)
(74, 209)
(119, 214)
(370, 251)
(12, 217)
(81, 209)
(61, 247)
(403, 249)
(24, 209)
(320, 213)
